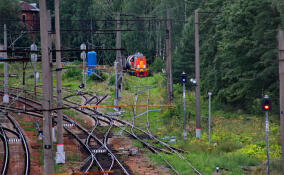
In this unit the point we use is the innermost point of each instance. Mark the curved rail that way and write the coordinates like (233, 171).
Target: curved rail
(24, 143)
(6, 148)
(101, 143)
(175, 150)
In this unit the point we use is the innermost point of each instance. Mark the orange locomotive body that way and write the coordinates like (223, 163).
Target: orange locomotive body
(137, 65)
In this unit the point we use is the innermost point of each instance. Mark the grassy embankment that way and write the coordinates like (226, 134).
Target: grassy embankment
(238, 139)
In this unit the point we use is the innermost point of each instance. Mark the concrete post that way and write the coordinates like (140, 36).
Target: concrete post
(6, 95)
(197, 76)
(47, 140)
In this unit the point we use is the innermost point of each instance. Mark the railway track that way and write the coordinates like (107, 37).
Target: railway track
(85, 145)
(102, 143)
(132, 133)
(5, 139)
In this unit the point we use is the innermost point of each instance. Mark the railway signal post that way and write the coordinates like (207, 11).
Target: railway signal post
(6, 95)
(183, 80)
(34, 61)
(266, 106)
(83, 47)
(209, 117)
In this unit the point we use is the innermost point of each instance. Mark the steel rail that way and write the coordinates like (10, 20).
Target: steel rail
(24, 143)
(150, 135)
(108, 117)
(15, 110)
(121, 122)
(98, 140)
(163, 143)
(11, 131)
(87, 141)
(105, 142)
(38, 103)
(132, 131)
(85, 147)
(6, 148)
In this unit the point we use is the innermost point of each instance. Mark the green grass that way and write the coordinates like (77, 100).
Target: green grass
(73, 156)
(240, 137)
(70, 112)
(58, 168)
(206, 162)
(28, 125)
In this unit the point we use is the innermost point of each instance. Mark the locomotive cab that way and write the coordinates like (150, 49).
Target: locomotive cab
(137, 65)
(141, 67)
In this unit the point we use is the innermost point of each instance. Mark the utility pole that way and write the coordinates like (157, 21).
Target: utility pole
(50, 57)
(51, 76)
(6, 96)
(185, 7)
(169, 59)
(118, 63)
(281, 89)
(197, 76)
(47, 142)
(118, 40)
(60, 154)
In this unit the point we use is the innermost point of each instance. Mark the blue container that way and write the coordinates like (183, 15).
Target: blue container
(92, 60)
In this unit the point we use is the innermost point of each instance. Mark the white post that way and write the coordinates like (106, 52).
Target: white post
(6, 95)
(267, 141)
(184, 113)
(34, 60)
(53, 134)
(83, 57)
(209, 118)
(116, 79)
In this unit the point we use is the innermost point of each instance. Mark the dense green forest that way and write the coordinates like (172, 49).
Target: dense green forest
(238, 45)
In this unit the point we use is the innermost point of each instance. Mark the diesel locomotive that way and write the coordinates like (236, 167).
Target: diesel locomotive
(136, 64)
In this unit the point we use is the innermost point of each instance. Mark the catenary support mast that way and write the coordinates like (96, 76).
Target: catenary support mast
(47, 142)
(60, 155)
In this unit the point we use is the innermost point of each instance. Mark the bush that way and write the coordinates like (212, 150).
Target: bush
(94, 77)
(72, 73)
(157, 65)
(111, 80)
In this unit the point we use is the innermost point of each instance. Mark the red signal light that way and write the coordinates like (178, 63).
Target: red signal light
(266, 107)
(266, 103)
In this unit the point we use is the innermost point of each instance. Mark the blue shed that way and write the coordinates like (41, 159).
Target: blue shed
(92, 60)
